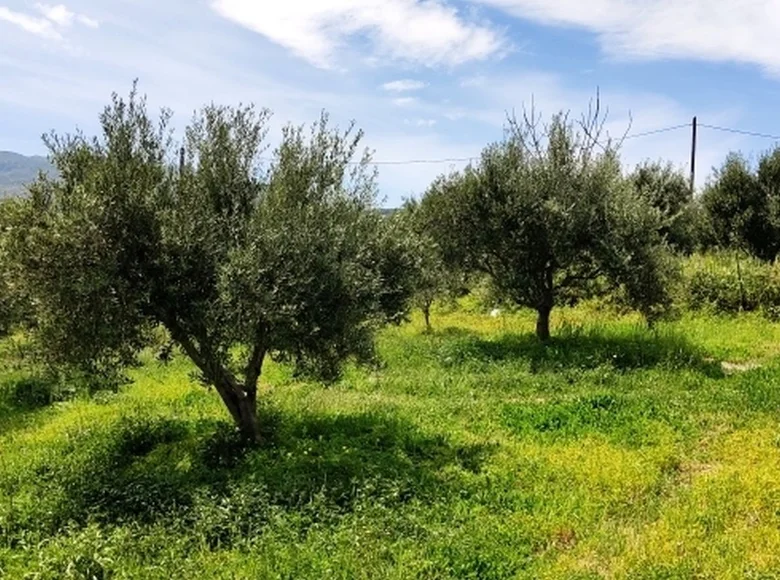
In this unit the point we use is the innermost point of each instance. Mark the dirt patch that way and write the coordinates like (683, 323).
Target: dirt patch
(731, 368)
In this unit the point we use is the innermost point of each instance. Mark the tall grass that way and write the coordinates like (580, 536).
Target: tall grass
(731, 282)
(474, 452)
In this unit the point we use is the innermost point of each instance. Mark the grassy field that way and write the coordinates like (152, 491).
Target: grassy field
(615, 452)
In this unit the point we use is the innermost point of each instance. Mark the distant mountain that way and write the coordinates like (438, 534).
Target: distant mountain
(18, 170)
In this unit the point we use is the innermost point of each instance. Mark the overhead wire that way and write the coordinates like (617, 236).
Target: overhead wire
(740, 131)
(468, 159)
(625, 138)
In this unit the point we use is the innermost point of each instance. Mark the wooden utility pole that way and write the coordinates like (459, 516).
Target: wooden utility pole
(181, 162)
(694, 126)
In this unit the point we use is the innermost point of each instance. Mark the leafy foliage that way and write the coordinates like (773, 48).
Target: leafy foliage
(547, 215)
(289, 259)
(15, 307)
(433, 279)
(742, 203)
(726, 282)
(668, 190)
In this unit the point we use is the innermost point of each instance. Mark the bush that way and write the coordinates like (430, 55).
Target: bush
(728, 282)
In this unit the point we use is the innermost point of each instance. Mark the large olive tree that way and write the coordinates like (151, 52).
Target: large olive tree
(545, 213)
(237, 259)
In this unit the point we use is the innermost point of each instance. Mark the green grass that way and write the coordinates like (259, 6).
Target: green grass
(615, 452)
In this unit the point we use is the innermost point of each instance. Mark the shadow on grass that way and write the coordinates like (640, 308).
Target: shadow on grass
(21, 398)
(316, 469)
(578, 349)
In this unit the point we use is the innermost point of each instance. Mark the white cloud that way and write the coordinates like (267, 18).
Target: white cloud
(37, 26)
(474, 81)
(48, 25)
(626, 111)
(428, 32)
(58, 14)
(404, 85)
(716, 30)
(87, 21)
(420, 122)
(404, 101)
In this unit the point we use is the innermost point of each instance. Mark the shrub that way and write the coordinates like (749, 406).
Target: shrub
(727, 282)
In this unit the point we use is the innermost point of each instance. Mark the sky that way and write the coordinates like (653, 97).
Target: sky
(427, 80)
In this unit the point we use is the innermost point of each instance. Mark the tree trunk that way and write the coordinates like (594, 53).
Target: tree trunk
(427, 314)
(240, 399)
(543, 323)
(242, 406)
(545, 305)
(248, 424)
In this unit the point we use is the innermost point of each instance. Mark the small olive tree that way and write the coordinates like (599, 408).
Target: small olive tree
(545, 213)
(236, 259)
(432, 278)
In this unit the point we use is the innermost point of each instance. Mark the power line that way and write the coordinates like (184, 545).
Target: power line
(419, 161)
(469, 159)
(656, 131)
(626, 138)
(740, 132)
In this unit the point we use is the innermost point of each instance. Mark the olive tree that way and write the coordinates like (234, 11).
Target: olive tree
(14, 304)
(545, 213)
(742, 204)
(669, 191)
(237, 259)
(432, 279)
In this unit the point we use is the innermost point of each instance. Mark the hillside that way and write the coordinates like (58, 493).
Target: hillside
(16, 170)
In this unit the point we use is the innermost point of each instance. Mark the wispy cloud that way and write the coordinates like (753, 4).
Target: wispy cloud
(717, 30)
(87, 21)
(34, 25)
(420, 122)
(430, 32)
(404, 85)
(50, 23)
(404, 101)
(58, 14)
(474, 81)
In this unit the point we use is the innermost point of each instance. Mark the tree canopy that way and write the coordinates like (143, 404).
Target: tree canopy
(669, 191)
(237, 258)
(546, 214)
(743, 204)
(432, 278)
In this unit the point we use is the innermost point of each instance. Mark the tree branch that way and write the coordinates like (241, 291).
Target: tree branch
(255, 364)
(570, 279)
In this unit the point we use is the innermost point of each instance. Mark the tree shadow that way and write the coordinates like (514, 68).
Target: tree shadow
(315, 467)
(579, 349)
(22, 398)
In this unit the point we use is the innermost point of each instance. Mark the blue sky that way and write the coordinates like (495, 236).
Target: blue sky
(425, 79)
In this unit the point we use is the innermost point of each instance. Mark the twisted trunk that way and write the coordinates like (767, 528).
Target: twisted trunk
(242, 405)
(240, 399)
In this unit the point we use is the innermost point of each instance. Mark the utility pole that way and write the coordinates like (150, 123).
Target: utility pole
(694, 126)
(181, 162)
